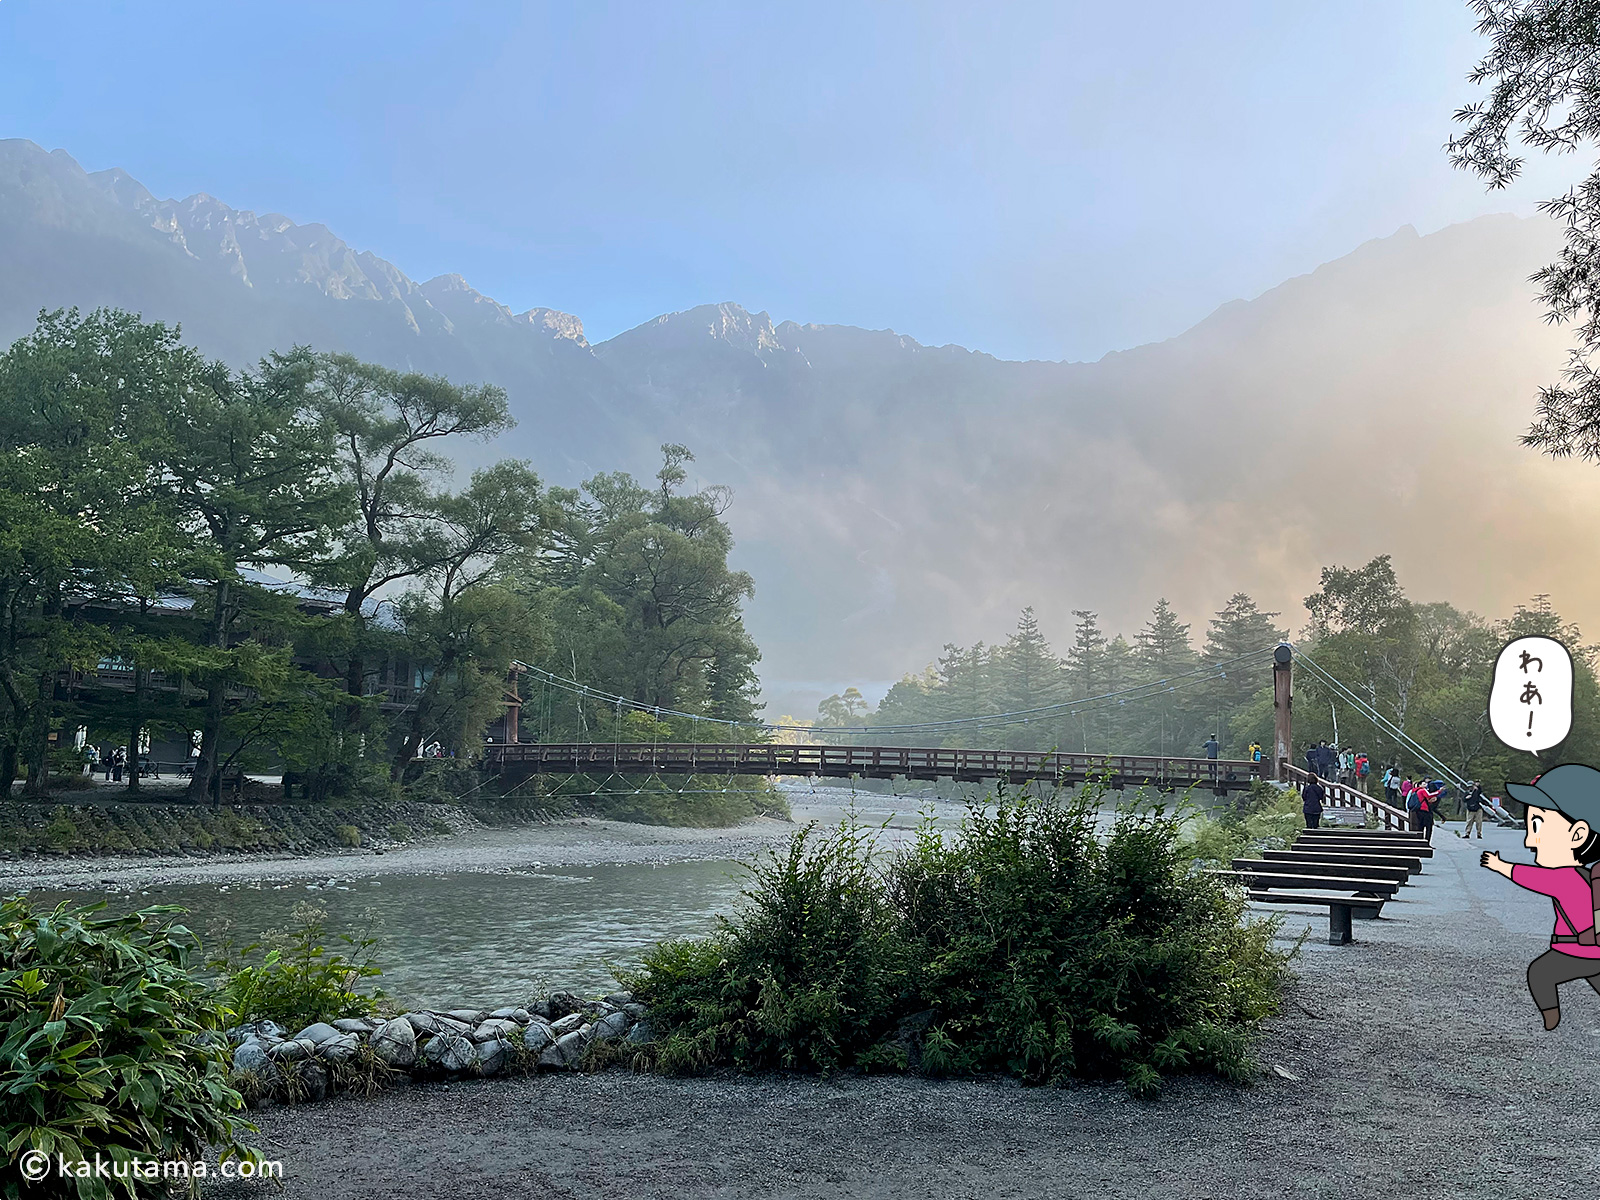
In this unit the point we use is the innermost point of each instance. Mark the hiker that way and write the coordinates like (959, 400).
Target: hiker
(1363, 769)
(1311, 798)
(1428, 807)
(119, 759)
(1472, 803)
(1313, 763)
(1255, 751)
(1391, 784)
(1347, 766)
(1328, 757)
(1408, 795)
(1213, 747)
(1562, 816)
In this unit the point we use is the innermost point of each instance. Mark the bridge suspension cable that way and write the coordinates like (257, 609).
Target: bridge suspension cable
(1067, 708)
(1369, 711)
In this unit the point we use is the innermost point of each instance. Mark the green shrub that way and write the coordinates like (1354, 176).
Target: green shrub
(293, 978)
(1030, 944)
(805, 975)
(399, 832)
(108, 1044)
(349, 835)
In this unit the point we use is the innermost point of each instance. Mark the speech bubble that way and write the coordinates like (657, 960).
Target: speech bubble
(1530, 705)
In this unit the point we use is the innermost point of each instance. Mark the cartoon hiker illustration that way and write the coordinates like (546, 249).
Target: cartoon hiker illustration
(1563, 831)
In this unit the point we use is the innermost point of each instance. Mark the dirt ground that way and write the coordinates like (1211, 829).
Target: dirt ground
(1417, 1067)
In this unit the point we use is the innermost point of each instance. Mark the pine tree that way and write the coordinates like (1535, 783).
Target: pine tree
(1028, 675)
(1164, 723)
(1239, 629)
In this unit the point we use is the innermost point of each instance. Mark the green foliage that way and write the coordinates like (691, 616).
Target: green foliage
(1265, 817)
(399, 832)
(292, 976)
(1025, 674)
(349, 835)
(642, 602)
(1042, 949)
(108, 1045)
(697, 801)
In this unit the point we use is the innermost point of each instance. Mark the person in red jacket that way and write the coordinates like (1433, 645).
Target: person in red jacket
(1563, 831)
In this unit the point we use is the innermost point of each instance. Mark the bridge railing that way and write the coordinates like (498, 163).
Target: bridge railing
(870, 761)
(1342, 795)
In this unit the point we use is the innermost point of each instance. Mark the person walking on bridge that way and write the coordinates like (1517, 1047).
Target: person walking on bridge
(1213, 747)
(1391, 784)
(1311, 798)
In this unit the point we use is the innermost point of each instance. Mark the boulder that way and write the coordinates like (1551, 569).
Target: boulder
(566, 1024)
(565, 1051)
(288, 1051)
(314, 1078)
(356, 1025)
(395, 1042)
(536, 1037)
(636, 1011)
(448, 1024)
(562, 1003)
(613, 1025)
(269, 1030)
(316, 1033)
(520, 1015)
(494, 1027)
(251, 1056)
(339, 1049)
(619, 999)
(541, 1009)
(422, 1022)
(640, 1034)
(493, 1056)
(467, 1016)
(453, 1052)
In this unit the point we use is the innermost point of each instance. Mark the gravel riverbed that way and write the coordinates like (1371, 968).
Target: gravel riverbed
(1410, 1064)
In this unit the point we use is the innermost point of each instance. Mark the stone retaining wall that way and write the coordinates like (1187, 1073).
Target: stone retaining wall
(552, 1034)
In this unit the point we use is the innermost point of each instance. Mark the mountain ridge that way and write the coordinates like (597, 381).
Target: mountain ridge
(892, 496)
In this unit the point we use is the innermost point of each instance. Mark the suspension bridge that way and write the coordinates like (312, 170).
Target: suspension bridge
(517, 760)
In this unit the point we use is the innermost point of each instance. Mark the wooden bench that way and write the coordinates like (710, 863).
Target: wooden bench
(1343, 847)
(1364, 835)
(1295, 864)
(1411, 865)
(1339, 909)
(1296, 880)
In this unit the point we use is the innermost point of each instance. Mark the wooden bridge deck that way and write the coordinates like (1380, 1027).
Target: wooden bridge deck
(521, 759)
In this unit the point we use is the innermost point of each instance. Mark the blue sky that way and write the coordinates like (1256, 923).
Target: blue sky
(1036, 180)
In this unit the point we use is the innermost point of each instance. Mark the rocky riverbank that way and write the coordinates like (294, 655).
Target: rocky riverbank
(368, 1054)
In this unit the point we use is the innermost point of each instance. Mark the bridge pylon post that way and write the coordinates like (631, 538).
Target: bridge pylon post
(1282, 707)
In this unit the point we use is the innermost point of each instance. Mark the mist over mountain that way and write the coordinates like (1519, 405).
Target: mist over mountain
(891, 496)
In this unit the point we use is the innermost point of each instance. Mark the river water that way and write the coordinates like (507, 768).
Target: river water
(499, 934)
(476, 938)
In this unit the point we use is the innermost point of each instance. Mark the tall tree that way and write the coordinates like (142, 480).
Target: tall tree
(388, 427)
(80, 516)
(1162, 650)
(250, 465)
(1030, 676)
(466, 622)
(1543, 72)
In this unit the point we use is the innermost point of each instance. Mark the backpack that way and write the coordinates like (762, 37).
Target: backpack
(1587, 936)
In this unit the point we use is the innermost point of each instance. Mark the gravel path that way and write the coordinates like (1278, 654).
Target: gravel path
(1420, 1070)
